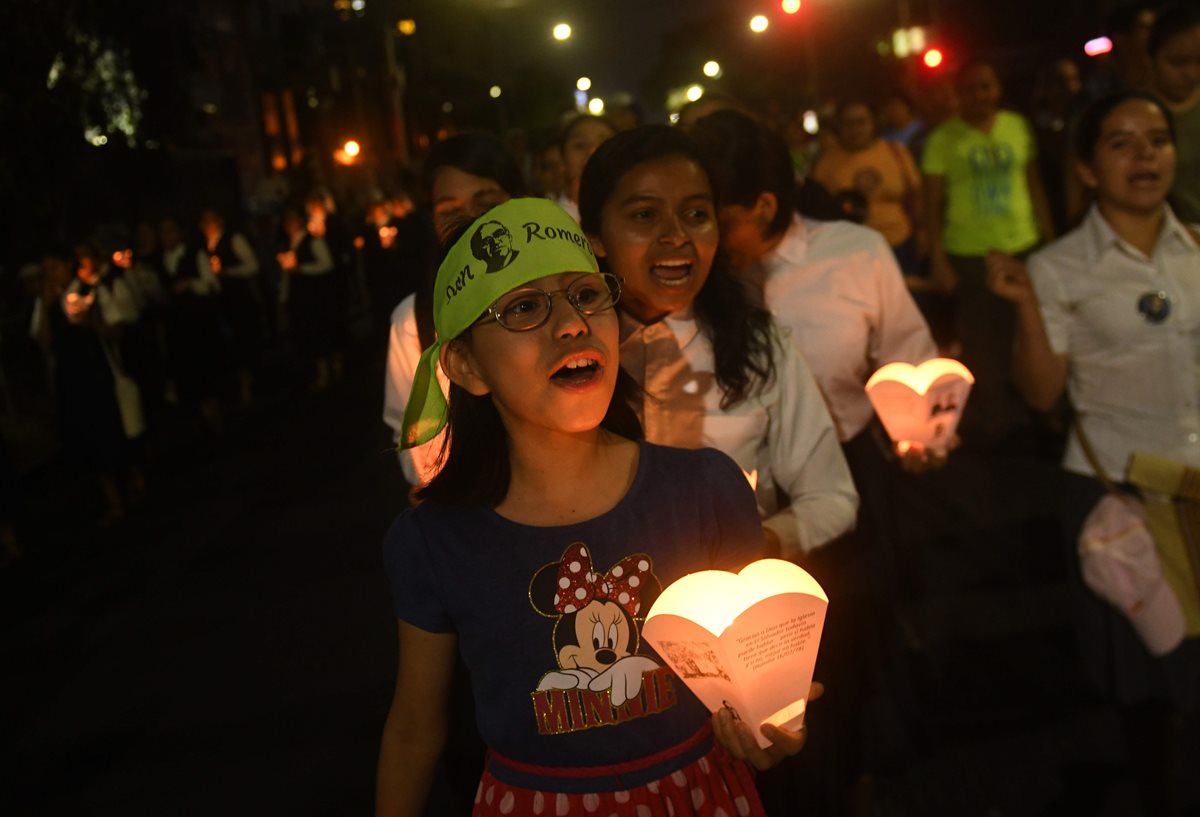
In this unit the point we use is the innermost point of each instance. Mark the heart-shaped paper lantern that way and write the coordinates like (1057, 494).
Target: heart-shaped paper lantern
(747, 640)
(921, 404)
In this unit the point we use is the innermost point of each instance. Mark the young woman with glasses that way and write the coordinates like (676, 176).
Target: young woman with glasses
(539, 547)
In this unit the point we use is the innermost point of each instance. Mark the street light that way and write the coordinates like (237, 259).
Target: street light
(348, 154)
(712, 68)
(562, 31)
(596, 105)
(759, 23)
(694, 92)
(407, 27)
(494, 92)
(583, 83)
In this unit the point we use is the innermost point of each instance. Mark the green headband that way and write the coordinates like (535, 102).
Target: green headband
(508, 246)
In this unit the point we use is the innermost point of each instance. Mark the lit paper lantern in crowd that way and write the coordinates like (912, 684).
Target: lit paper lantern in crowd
(747, 640)
(921, 404)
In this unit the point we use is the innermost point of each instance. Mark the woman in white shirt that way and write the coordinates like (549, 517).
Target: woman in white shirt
(79, 324)
(1110, 313)
(715, 371)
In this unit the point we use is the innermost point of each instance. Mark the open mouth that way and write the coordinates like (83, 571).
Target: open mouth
(672, 273)
(1143, 179)
(577, 371)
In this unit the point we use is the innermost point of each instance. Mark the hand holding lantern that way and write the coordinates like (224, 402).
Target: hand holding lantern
(736, 736)
(920, 406)
(287, 260)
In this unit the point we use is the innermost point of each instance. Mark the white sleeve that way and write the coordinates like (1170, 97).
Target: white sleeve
(117, 303)
(247, 266)
(322, 259)
(806, 459)
(206, 282)
(1053, 302)
(35, 320)
(902, 333)
(420, 464)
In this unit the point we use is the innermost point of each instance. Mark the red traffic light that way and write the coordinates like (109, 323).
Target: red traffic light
(790, 6)
(933, 58)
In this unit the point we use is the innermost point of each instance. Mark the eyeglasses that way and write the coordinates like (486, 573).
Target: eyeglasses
(1155, 307)
(529, 307)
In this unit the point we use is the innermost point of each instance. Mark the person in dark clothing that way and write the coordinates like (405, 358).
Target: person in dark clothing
(234, 261)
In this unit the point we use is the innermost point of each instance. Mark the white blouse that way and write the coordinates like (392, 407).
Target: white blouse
(1135, 383)
(781, 434)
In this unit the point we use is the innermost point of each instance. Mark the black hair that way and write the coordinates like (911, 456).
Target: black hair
(475, 466)
(479, 154)
(739, 331)
(89, 248)
(1169, 24)
(1091, 121)
(634, 107)
(747, 160)
(1125, 18)
(972, 64)
(722, 101)
(851, 101)
(576, 121)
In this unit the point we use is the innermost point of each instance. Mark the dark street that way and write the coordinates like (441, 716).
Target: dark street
(229, 650)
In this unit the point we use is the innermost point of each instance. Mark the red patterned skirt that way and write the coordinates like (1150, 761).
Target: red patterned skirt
(698, 777)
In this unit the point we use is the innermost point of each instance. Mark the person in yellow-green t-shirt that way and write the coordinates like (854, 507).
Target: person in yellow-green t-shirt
(983, 194)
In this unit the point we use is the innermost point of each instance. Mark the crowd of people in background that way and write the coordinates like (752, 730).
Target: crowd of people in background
(776, 267)
(163, 331)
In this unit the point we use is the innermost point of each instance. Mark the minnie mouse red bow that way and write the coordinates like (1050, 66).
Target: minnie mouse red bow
(578, 584)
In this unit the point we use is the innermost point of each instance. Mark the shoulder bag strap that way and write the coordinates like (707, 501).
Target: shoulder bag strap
(1093, 460)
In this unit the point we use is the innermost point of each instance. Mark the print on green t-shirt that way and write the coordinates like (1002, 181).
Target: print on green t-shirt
(991, 178)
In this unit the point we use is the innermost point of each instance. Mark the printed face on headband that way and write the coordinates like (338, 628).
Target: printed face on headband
(492, 244)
